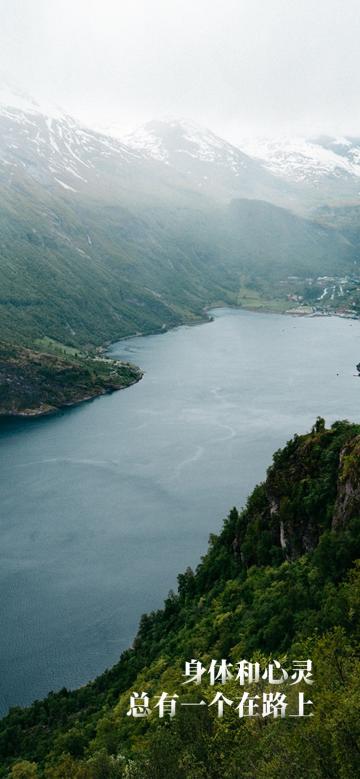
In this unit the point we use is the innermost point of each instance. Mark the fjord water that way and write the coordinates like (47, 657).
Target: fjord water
(103, 504)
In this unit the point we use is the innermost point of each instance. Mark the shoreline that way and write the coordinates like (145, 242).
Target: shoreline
(45, 410)
(189, 336)
(295, 312)
(163, 330)
(37, 384)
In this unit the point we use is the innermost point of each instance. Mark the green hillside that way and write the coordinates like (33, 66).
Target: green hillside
(279, 582)
(98, 240)
(86, 272)
(132, 276)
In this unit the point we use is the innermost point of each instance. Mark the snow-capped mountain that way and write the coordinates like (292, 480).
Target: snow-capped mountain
(346, 148)
(209, 163)
(50, 147)
(43, 144)
(113, 237)
(164, 139)
(297, 173)
(310, 161)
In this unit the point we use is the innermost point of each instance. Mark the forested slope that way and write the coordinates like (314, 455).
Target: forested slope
(279, 582)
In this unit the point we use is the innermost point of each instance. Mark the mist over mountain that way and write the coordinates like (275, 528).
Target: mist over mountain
(103, 237)
(161, 165)
(209, 163)
(175, 155)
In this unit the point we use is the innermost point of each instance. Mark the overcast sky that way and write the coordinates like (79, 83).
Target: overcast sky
(238, 66)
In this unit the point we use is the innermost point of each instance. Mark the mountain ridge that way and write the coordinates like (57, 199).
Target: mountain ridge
(297, 163)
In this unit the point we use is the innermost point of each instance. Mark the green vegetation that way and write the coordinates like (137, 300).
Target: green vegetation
(149, 264)
(56, 347)
(77, 275)
(280, 581)
(258, 300)
(33, 383)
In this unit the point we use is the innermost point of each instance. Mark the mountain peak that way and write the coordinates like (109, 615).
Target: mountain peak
(206, 162)
(166, 139)
(14, 99)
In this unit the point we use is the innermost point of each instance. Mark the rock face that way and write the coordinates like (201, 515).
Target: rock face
(347, 504)
(313, 486)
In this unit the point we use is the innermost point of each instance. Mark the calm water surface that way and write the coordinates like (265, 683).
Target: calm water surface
(102, 505)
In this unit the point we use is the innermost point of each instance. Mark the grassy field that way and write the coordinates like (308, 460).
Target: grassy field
(46, 344)
(256, 301)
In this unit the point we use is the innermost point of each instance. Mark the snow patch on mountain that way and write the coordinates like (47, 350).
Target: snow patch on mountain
(51, 145)
(146, 140)
(161, 140)
(65, 186)
(303, 160)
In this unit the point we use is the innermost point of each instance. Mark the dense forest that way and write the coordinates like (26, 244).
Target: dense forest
(279, 583)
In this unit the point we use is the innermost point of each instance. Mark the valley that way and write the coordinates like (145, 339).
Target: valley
(110, 249)
(102, 238)
(179, 389)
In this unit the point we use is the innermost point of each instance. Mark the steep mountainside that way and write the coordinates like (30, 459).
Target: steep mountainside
(278, 583)
(268, 236)
(99, 240)
(52, 150)
(85, 276)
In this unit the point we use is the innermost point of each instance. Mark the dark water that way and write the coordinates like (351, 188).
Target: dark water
(101, 506)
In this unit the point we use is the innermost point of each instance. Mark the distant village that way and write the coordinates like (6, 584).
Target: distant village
(323, 296)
